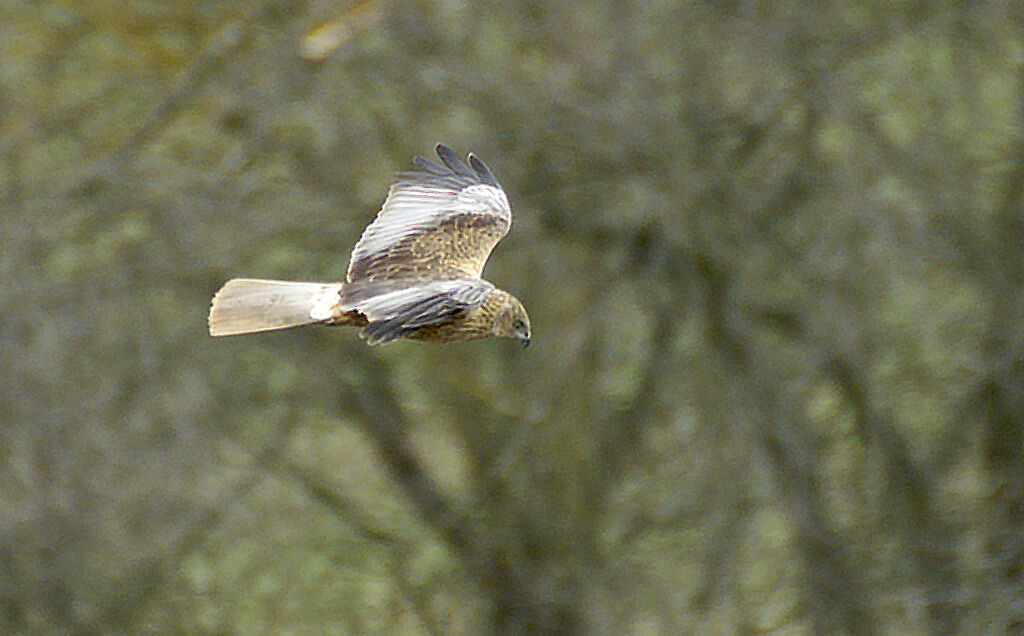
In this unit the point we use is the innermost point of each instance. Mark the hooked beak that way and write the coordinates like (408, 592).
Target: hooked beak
(526, 341)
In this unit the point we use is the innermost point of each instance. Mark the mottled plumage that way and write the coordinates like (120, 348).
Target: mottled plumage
(414, 273)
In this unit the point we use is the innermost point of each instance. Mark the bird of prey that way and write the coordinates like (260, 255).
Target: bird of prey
(415, 272)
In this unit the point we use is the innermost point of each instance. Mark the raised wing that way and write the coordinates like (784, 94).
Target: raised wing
(393, 307)
(439, 223)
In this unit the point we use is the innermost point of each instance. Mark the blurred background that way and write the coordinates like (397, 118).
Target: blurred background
(773, 256)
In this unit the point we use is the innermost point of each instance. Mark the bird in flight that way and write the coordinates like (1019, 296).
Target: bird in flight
(415, 272)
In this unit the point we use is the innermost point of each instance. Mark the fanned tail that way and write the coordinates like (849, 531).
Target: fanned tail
(249, 305)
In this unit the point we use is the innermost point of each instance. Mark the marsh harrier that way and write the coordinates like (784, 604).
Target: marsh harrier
(415, 273)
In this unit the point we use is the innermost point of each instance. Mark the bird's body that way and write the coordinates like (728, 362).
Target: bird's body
(467, 324)
(415, 272)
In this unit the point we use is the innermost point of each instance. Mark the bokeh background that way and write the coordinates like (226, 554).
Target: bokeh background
(773, 254)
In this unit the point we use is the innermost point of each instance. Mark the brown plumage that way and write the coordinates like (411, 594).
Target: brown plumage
(415, 272)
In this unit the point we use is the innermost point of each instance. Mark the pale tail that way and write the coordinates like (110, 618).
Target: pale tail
(248, 305)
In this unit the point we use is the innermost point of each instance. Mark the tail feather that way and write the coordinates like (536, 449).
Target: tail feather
(249, 305)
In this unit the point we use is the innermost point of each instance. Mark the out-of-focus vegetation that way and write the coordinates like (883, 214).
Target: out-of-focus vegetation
(773, 256)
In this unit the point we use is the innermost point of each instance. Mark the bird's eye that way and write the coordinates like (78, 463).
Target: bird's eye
(518, 324)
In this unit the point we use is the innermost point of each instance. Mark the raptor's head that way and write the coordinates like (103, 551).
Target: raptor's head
(513, 322)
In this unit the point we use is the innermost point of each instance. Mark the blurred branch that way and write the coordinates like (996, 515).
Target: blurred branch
(719, 554)
(351, 515)
(414, 597)
(906, 483)
(831, 585)
(147, 577)
(376, 407)
(928, 536)
(623, 430)
(994, 402)
(926, 185)
(343, 509)
(923, 529)
(227, 41)
(1001, 279)
(271, 458)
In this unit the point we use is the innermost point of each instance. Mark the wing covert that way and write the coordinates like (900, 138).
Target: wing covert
(441, 222)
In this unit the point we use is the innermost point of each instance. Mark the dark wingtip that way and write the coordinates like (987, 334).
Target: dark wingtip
(428, 166)
(450, 159)
(483, 171)
(432, 167)
(447, 155)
